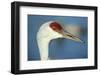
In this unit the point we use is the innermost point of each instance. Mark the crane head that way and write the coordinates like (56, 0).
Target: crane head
(55, 26)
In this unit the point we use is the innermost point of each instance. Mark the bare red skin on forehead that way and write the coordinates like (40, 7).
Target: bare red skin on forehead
(56, 26)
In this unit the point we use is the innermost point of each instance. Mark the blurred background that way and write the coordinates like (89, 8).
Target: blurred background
(59, 48)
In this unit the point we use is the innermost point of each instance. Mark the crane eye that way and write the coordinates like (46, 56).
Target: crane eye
(56, 26)
(70, 36)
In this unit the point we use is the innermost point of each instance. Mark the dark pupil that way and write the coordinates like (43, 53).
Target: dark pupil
(70, 36)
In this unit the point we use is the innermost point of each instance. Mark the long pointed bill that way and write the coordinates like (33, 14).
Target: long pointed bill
(70, 36)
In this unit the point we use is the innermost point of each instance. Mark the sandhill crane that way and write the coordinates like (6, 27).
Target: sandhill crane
(48, 31)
